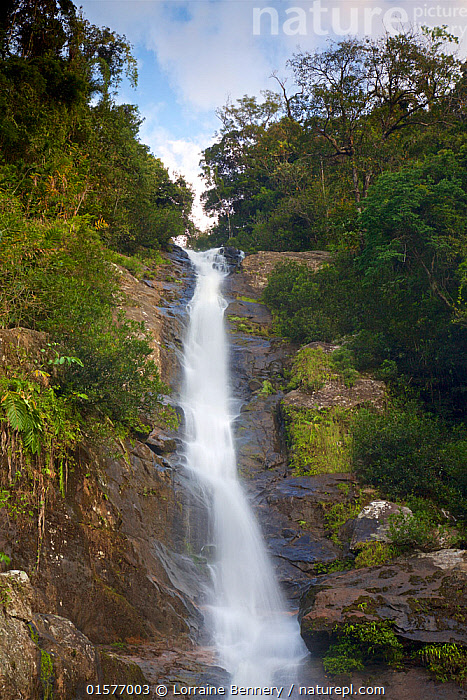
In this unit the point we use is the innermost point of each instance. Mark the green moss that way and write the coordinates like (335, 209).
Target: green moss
(343, 657)
(357, 644)
(46, 668)
(329, 568)
(337, 515)
(446, 661)
(313, 367)
(267, 388)
(244, 325)
(310, 370)
(319, 440)
(47, 675)
(374, 554)
(248, 299)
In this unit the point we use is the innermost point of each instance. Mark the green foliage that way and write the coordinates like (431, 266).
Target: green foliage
(118, 376)
(419, 531)
(267, 388)
(338, 565)
(406, 452)
(375, 554)
(343, 657)
(132, 264)
(343, 361)
(311, 368)
(66, 148)
(291, 173)
(46, 425)
(446, 661)
(5, 559)
(47, 675)
(319, 440)
(361, 643)
(244, 325)
(314, 306)
(46, 666)
(57, 277)
(338, 514)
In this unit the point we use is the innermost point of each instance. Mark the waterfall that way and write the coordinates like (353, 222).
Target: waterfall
(257, 641)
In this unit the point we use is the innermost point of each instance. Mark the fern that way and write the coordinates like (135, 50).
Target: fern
(23, 417)
(16, 410)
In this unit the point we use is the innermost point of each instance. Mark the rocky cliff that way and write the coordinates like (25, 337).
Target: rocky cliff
(111, 591)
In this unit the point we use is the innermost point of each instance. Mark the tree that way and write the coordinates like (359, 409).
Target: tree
(358, 95)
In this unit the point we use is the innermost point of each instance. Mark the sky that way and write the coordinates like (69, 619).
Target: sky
(195, 55)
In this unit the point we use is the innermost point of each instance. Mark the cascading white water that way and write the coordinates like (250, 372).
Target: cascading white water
(257, 642)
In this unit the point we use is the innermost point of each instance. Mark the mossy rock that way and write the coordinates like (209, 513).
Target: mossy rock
(117, 670)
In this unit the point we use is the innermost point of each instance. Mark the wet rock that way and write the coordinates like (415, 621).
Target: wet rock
(304, 551)
(233, 257)
(372, 523)
(426, 602)
(301, 498)
(254, 385)
(160, 443)
(161, 304)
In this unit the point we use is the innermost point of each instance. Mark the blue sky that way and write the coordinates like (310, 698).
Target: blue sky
(195, 55)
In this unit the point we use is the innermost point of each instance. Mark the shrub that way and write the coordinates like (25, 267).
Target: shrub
(406, 452)
(419, 531)
(57, 277)
(338, 514)
(308, 305)
(117, 376)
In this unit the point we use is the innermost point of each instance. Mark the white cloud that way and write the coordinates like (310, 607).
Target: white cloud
(211, 55)
(180, 156)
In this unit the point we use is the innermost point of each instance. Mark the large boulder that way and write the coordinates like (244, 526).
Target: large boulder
(18, 652)
(45, 655)
(425, 596)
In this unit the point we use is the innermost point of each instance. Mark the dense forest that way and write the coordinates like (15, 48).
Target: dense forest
(79, 194)
(363, 153)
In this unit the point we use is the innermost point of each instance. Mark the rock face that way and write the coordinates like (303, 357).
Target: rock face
(233, 257)
(425, 596)
(290, 508)
(122, 559)
(111, 564)
(259, 266)
(46, 655)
